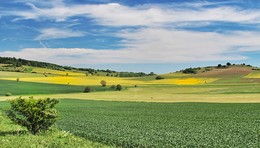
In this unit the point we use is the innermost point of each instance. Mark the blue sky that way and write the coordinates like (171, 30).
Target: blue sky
(132, 35)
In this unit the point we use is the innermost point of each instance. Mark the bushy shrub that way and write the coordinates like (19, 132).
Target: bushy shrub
(118, 87)
(159, 77)
(34, 114)
(87, 90)
(8, 94)
(103, 83)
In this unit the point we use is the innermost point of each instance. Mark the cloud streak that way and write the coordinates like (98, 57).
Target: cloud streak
(54, 33)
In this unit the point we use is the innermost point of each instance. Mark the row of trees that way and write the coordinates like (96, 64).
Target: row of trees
(228, 64)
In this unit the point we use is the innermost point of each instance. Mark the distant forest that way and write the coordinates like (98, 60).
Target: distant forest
(14, 62)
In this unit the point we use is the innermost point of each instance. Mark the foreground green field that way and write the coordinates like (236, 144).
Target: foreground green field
(136, 124)
(130, 124)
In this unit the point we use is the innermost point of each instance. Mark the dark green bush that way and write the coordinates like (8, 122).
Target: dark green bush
(103, 83)
(118, 87)
(159, 78)
(87, 90)
(34, 114)
(8, 94)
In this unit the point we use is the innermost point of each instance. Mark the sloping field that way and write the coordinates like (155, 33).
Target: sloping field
(255, 74)
(226, 72)
(57, 72)
(185, 81)
(4, 74)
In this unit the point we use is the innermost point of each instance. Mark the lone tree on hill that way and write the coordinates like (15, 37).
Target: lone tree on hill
(228, 64)
(103, 83)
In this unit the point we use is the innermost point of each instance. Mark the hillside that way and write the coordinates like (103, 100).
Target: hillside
(22, 65)
(197, 104)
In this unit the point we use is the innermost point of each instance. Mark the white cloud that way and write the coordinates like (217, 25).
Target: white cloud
(54, 33)
(153, 45)
(114, 14)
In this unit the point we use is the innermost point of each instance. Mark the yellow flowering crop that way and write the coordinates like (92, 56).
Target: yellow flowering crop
(185, 81)
(255, 74)
(90, 80)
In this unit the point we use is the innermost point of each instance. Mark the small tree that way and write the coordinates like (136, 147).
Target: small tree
(228, 64)
(118, 87)
(17, 79)
(35, 114)
(159, 77)
(87, 90)
(219, 65)
(103, 83)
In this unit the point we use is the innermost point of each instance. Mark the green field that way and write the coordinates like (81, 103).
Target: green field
(130, 124)
(32, 88)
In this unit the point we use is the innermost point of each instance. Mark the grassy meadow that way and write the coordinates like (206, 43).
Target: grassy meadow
(216, 108)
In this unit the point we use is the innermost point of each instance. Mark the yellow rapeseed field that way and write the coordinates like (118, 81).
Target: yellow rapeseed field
(184, 81)
(95, 80)
(254, 74)
(90, 80)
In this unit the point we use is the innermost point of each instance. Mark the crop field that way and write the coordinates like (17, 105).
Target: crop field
(130, 124)
(29, 88)
(233, 93)
(219, 108)
(255, 74)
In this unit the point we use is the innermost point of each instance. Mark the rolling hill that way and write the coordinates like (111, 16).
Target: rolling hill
(233, 83)
(196, 107)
